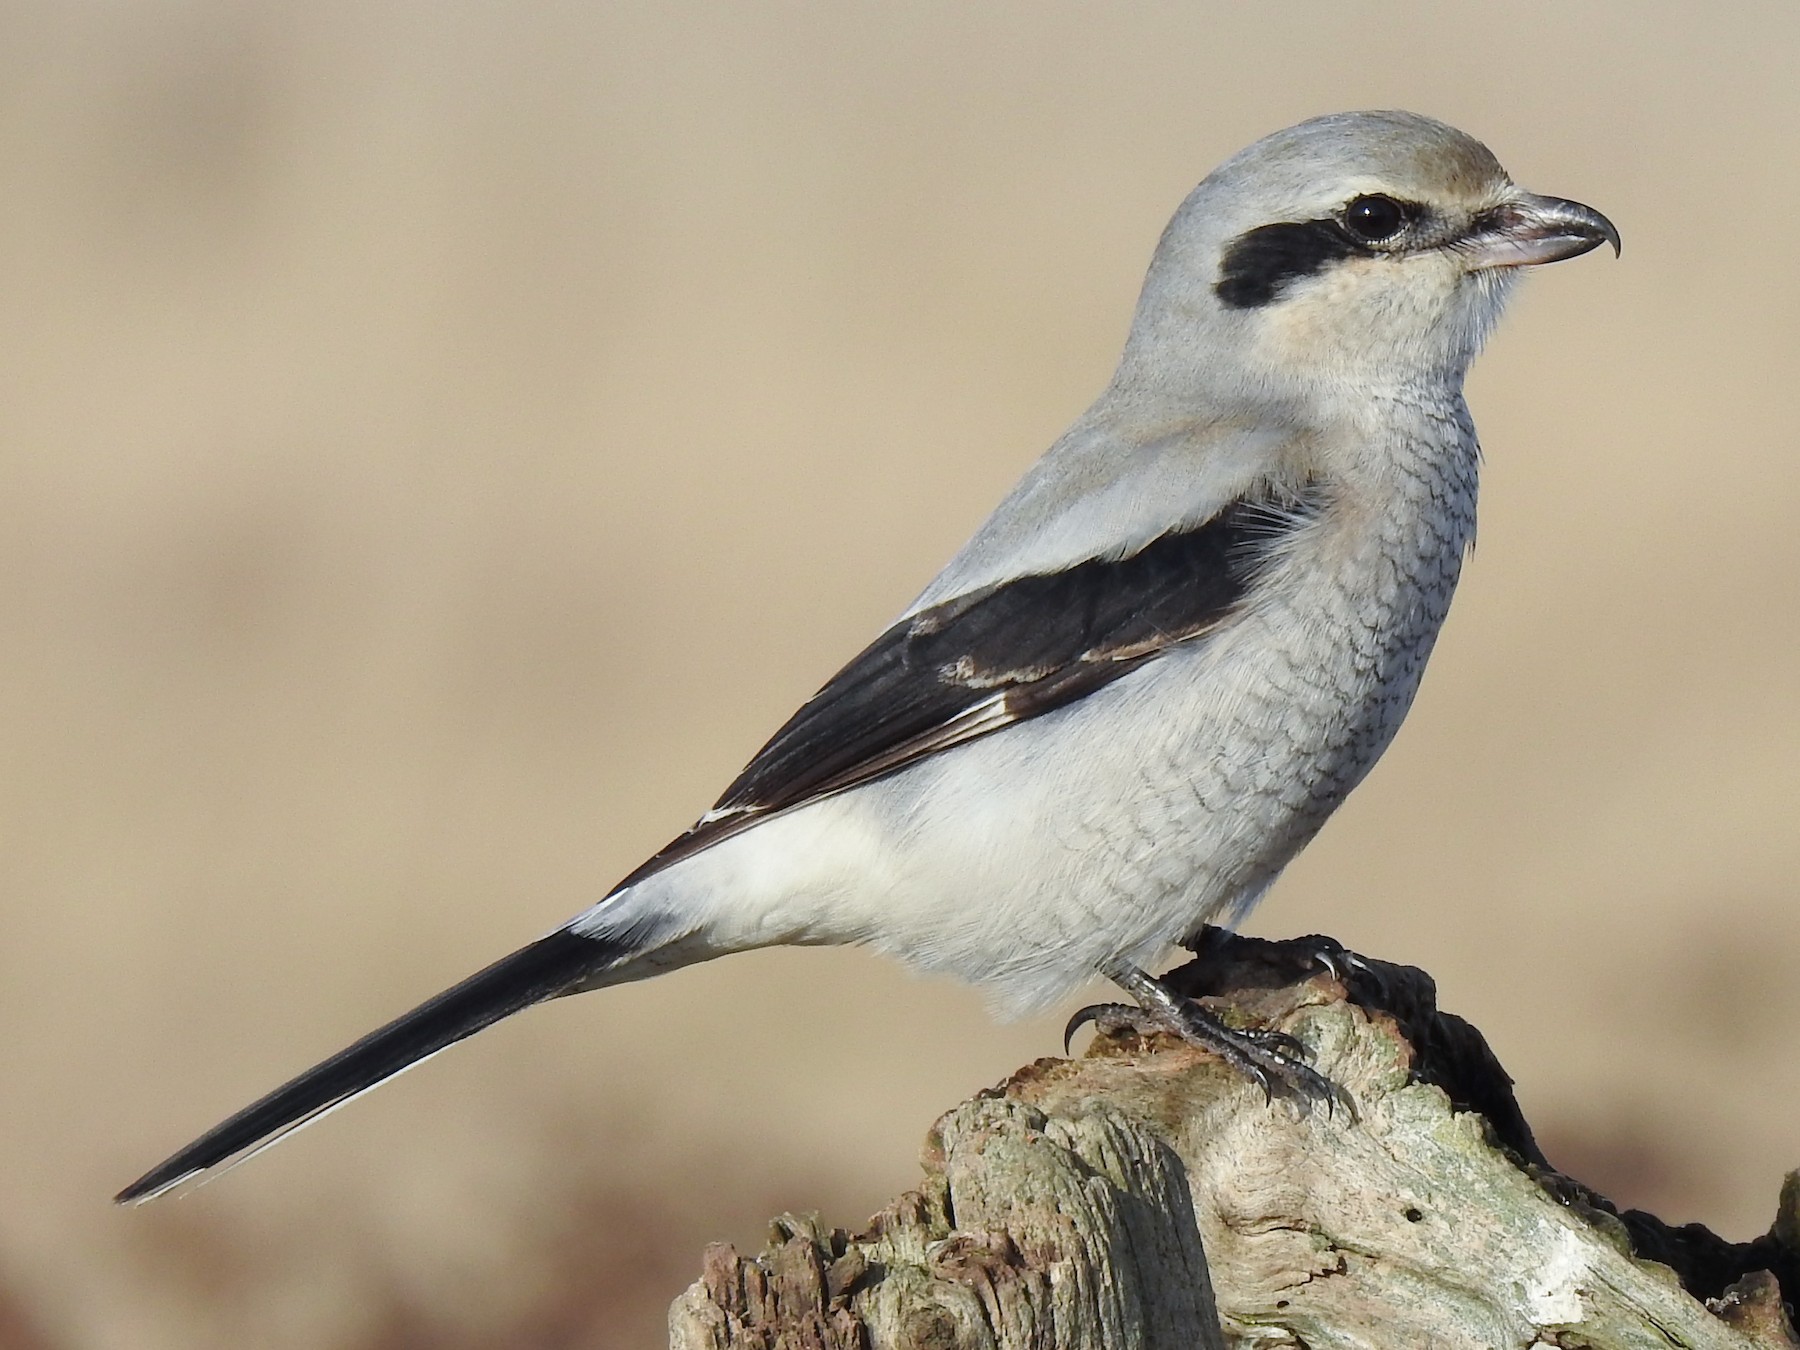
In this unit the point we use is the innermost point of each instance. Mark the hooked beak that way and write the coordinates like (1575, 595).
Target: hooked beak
(1530, 229)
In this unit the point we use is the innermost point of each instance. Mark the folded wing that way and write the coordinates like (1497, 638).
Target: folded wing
(999, 655)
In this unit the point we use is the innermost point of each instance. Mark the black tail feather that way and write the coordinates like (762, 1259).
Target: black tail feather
(542, 970)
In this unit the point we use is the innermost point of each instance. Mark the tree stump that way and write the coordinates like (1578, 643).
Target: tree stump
(1148, 1197)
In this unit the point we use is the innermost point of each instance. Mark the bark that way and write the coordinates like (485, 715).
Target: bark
(1147, 1197)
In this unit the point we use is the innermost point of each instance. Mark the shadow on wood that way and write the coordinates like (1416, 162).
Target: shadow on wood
(1070, 1207)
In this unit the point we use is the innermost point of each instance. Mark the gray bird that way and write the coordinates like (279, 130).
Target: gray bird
(1167, 657)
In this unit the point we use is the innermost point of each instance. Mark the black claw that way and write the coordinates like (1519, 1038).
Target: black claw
(1362, 979)
(1337, 959)
(1082, 1017)
(1277, 1043)
(1104, 1016)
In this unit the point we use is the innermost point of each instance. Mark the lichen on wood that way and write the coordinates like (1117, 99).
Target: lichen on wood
(1147, 1197)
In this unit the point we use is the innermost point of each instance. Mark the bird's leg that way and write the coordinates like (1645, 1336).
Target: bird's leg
(1268, 1057)
(1205, 938)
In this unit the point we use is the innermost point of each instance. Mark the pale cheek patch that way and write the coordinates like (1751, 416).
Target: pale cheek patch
(1357, 313)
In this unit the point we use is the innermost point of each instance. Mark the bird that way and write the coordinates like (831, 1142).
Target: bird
(1142, 686)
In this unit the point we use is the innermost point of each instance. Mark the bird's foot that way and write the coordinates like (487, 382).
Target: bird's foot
(1206, 939)
(1364, 980)
(1272, 1059)
(1110, 1019)
(1348, 968)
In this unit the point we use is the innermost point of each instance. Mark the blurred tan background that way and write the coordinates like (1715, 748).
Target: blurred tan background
(438, 442)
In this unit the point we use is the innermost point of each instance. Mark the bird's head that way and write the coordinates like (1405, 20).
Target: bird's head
(1372, 248)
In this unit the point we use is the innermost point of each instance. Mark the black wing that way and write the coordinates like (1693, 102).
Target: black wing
(997, 656)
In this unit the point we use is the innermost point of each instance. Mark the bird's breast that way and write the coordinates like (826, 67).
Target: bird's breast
(1112, 826)
(1331, 647)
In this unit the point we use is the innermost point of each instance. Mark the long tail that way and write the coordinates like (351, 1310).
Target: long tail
(546, 968)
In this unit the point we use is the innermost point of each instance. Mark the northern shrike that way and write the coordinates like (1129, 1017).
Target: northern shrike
(1144, 684)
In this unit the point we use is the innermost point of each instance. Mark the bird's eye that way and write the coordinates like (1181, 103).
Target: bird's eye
(1374, 218)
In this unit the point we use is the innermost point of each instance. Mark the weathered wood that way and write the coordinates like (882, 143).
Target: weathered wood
(1070, 1208)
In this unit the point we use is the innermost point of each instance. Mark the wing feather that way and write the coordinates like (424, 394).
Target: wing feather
(980, 662)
